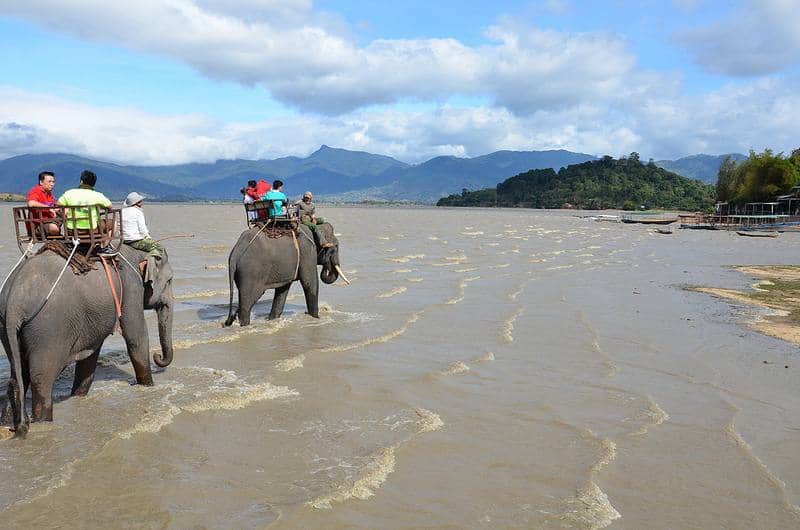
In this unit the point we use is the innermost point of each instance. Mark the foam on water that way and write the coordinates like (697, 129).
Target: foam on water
(150, 409)
(225, 335)
(374, 340)
(207, 293)
(293, 363)
(215, 249)
(414, 280)
(507, 326)
(609, 363)
(406, 259)
(457, 367)
(215, 390)
(468, 269)
(655, 416)
(380, 466)
(392, 292)
(485, 358)
(500, 266)
(217, 266)
(747, 450)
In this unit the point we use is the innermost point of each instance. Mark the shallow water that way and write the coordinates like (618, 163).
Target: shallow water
(486, 369)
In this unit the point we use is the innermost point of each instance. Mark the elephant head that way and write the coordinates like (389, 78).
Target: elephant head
(328, 254)
(158, 295)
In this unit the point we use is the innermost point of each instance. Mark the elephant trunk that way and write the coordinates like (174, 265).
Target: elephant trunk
(164, 312)
(330, 266)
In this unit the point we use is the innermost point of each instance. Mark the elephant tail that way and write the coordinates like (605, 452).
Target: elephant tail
(17, 388)
(232, 261)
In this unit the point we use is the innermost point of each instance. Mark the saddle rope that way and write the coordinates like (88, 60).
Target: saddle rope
(21, 259)
(75, 242)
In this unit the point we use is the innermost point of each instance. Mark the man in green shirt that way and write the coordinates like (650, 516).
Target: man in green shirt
(85, 218)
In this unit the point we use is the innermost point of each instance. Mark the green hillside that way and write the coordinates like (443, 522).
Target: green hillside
(599, 184)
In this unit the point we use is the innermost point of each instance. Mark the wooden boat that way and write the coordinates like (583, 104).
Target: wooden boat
(756, 233)
(663, 231)
(645, 220)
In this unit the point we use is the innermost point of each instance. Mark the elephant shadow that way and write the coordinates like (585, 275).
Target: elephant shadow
(211, 312)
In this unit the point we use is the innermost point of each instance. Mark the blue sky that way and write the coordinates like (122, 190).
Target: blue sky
(172, 81)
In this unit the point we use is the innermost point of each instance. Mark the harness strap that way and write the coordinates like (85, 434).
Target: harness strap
(113, 289)
(297, 248)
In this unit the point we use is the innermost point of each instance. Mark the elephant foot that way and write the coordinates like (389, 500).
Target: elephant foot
(21, 431)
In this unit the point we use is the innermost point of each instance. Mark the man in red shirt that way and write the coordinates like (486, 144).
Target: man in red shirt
(41, 196)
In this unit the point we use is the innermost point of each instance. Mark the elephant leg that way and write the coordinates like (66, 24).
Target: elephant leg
(248, 296)
(84, 374)
(310, 285)
(42, 393)
(279, 300)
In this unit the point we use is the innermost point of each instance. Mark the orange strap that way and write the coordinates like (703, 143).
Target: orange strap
(113, 289)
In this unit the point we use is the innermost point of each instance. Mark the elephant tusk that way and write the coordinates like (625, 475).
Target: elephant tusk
(341, 273)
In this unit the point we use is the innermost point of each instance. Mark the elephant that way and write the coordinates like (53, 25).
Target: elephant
(43, 336)
(260, 261)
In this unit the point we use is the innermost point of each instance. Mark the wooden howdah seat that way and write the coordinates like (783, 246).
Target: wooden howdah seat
(30, 221)
(257, 214)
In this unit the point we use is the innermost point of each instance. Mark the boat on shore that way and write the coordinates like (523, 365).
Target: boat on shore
(756, 233)
(646, 219)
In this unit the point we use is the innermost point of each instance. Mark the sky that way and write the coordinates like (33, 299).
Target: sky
(157, 82)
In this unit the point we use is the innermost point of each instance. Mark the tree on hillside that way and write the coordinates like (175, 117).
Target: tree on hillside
(759, 178)
(726, 178)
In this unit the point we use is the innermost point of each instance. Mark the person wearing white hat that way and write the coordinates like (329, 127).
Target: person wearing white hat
(134, 228)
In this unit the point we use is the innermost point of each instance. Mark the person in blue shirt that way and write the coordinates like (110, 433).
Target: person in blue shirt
(278, 199)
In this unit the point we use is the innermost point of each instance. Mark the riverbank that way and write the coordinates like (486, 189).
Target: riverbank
(777, 289)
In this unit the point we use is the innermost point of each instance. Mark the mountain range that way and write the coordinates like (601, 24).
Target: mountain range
(331, 173)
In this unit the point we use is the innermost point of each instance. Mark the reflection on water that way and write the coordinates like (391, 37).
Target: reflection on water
(488, 369)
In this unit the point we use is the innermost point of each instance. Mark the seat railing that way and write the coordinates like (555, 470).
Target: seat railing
(93, 226)
(258, 213)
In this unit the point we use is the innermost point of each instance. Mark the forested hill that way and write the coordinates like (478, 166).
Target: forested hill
(599, 184)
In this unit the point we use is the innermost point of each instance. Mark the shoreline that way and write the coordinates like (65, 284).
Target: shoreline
(777, 290)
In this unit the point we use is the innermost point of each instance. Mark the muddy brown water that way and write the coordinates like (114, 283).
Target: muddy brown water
(486, 369)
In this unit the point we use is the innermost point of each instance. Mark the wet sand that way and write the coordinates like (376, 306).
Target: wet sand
(485, 369)
(778, 290)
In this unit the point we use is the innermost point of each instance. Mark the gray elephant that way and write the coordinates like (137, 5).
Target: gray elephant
(261, 261)
(41, 339)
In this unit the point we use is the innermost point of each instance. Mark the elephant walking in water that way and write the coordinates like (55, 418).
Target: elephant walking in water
(260, 261)
(41, 339)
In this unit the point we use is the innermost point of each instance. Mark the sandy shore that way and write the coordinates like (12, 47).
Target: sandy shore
(778, 289)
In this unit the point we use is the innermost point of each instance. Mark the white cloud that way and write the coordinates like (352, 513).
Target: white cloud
(309, 59)
(761, 37)
(658, 125)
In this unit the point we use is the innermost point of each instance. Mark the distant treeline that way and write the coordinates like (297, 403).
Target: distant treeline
(759, 178)
(624, 183)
